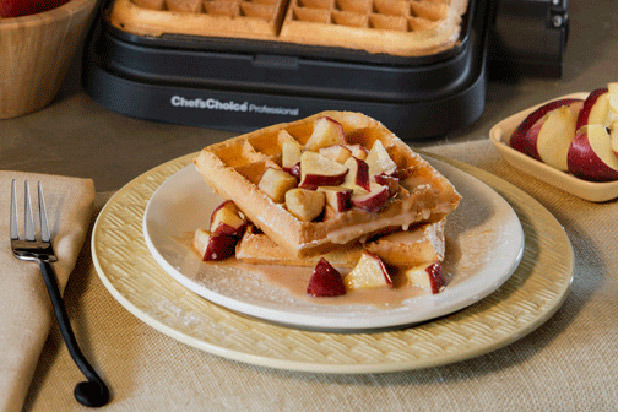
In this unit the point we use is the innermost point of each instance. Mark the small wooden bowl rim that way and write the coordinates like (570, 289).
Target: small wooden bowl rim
(68, 9)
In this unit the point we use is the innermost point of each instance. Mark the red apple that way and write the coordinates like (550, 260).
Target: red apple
(213, 247)
(317, 170)
(373, 200)
(595, 108)
(337, 197)
(555, 136)
(337, 153)
(369, 272)
(325, 281)
(326, 132)
(226, 219)
(276, 182)
(305, 204)
(590, 154)
(290, 154)
(358, 173)
(429, 277)
(379, 160)
(525, 135)
(294, 170)
(436, 277)
(358, 151)
(389, 181)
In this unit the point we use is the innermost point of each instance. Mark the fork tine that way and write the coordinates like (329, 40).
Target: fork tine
(43, 215)
(14, 234)
(28, 221)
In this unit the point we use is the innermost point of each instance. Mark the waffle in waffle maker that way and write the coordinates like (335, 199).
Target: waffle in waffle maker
(417, 65)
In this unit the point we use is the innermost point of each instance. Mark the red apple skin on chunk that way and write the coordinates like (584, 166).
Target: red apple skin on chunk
(213, 247)
(595, 108)
(590, 154)
(373, 200)
(389, 181)
(358, 173)
(436, 277)
(227, 220)
(340, 199)
(525, 135)
(326, 281)
(294, 170)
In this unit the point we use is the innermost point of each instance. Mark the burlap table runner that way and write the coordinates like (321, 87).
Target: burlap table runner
(569, 364)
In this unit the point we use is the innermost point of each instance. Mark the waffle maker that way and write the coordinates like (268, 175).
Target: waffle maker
(241, 84)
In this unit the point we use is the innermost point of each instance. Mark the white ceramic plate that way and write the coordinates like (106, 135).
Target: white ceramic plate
(484, 245)
(500, 136)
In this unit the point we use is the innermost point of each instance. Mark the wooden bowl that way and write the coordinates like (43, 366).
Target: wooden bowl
(36, 52)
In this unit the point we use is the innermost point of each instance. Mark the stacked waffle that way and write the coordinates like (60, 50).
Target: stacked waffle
(337, 186)
(398, 27)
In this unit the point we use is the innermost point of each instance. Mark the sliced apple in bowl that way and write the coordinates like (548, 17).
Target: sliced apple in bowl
(591, 156)
(555, 136)
(595, 110)
(525, 137)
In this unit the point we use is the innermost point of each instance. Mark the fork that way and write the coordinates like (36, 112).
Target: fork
(92, 392)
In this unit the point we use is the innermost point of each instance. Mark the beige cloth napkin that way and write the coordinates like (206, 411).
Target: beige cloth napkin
(25, 308)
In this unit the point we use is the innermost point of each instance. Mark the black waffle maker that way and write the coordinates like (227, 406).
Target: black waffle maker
(242, 85)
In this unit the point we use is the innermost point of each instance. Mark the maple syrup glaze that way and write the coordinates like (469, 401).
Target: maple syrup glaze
(295, 279)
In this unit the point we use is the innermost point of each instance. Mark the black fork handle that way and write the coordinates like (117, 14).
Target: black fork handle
(93, 392)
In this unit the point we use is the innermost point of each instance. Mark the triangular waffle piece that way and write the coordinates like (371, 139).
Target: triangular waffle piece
(235, 167)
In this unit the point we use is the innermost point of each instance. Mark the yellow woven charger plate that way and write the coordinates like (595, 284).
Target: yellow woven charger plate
(530, 296)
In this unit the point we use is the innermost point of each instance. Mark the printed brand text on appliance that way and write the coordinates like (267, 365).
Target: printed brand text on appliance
(214, 104)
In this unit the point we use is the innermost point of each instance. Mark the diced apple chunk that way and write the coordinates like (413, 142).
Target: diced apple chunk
(337, 197)
(284, 136)
(358, 173)
(290, 154)
(373, 200)
(389, 181)
(326, 132)
(305, 204)
(379, 160)
(317, 170)
(369, 272)
(336, 153)
(213, 247)
(326, 281)
(227, 219)
(275, 183)
(358, 151)
(429, 277)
